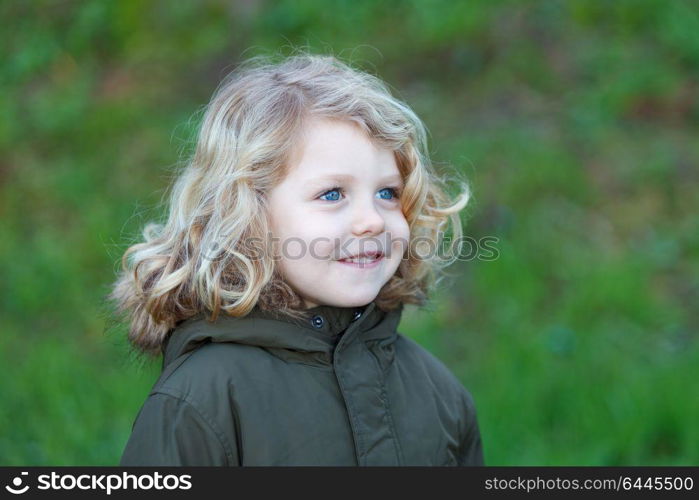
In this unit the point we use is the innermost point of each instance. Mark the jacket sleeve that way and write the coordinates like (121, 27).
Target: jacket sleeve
(471, 447)
(171, 431)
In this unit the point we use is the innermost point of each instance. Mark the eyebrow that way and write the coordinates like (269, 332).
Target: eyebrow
(349, 177)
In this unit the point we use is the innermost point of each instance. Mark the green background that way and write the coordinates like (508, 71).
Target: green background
(575, 121)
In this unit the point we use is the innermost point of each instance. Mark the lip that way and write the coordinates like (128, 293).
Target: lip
(360, 265)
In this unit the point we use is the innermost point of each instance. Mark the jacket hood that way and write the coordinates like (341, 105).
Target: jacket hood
(316, 338)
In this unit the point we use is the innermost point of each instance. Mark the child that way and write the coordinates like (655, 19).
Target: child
(276, 286)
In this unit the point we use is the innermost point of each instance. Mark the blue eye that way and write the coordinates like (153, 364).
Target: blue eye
(392, 190)
(335, 189)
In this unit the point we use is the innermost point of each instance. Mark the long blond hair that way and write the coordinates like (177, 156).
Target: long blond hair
(198, 261)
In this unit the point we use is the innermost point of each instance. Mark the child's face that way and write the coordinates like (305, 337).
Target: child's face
(317, 225)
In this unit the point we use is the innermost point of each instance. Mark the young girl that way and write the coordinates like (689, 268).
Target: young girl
(275, 289)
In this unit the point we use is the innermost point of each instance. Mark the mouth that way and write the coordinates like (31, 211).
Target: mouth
(366, 260)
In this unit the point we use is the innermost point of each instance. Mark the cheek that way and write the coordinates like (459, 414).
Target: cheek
(285, 223)
(301, 236)
(320, 246)
(287, 244)
(400, 235)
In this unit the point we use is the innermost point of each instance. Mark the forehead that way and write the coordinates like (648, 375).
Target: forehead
(340, 149)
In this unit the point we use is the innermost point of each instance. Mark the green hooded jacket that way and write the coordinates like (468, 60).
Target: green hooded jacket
(343, 388)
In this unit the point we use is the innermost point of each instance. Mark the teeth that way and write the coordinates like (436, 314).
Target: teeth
(363, 260)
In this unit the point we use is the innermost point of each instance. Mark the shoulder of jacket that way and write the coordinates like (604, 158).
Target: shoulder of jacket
(444, 379)
(210, 367)
(412, 351)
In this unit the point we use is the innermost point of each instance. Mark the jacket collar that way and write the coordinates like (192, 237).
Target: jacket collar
(312, 340)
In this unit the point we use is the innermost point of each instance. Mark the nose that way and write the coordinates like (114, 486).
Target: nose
(366, 219)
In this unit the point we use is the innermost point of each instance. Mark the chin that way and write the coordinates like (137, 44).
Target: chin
(355, 301)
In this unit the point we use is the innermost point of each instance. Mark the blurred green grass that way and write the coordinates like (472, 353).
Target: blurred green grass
(575, 121)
